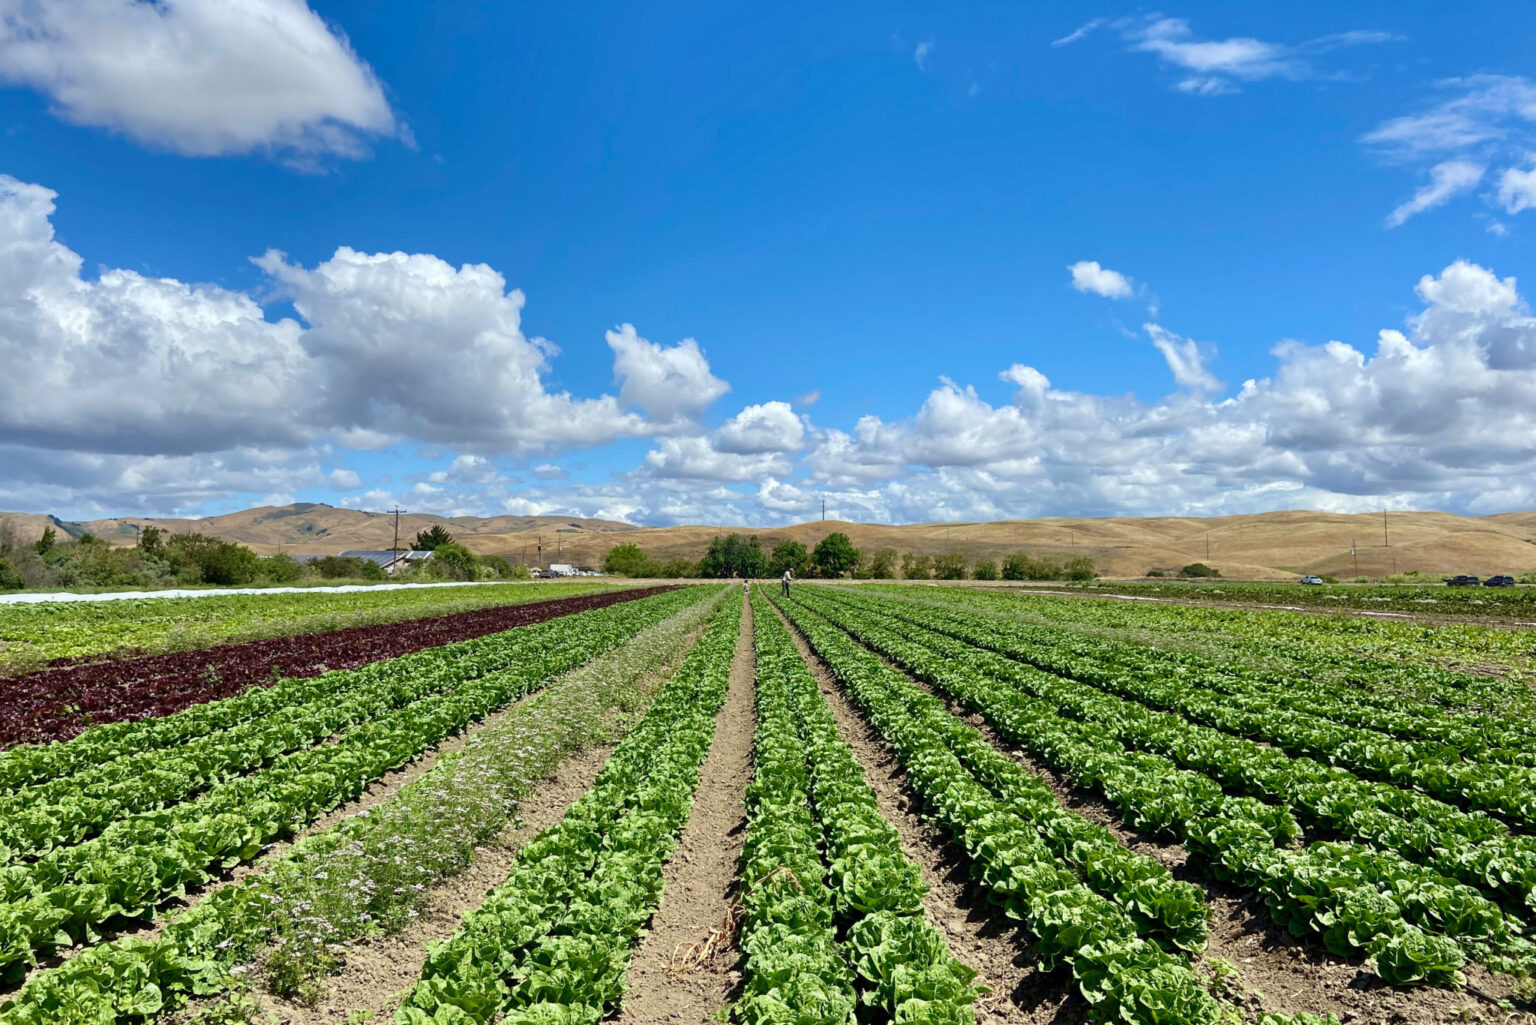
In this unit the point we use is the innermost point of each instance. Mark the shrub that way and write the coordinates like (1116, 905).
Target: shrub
(453, 561)
(949, 567)
(1080, 568)
(280, 569)
(1199, 569)
(882, 564)
(349, 567)
(916, 567)
(10, 576)
(986, 569)
(199, 558)
(1023, 566)
(1154, 572)
(675, 569)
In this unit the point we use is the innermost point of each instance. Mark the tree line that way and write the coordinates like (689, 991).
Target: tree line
(834, 556)
(163, 559)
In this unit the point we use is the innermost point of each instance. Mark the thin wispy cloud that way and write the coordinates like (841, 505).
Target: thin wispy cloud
(920, 55)
(1482, 123)
(1212, 67)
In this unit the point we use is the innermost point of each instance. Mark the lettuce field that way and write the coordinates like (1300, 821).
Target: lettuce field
(858, 804)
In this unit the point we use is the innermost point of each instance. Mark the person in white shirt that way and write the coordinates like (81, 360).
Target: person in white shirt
(789, 575)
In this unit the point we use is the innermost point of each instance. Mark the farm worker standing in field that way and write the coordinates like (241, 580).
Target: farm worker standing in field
(789, 575)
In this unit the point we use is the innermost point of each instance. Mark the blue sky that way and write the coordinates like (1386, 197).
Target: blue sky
(925, 261)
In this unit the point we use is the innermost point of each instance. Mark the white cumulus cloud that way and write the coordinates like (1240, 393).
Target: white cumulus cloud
(1088, 276)
(200, 77)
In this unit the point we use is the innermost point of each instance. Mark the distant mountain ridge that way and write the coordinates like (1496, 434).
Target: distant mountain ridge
(1275, 545)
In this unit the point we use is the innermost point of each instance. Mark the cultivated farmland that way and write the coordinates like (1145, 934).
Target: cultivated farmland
(858, 804)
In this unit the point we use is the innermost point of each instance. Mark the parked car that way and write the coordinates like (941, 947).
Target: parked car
(1502, 580)
(1311, 580)
(1462, 581)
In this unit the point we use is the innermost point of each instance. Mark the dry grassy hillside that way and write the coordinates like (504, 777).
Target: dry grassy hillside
(1275, 545)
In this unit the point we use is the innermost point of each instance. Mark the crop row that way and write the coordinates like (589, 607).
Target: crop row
(1372, 662)
(1470, 847)
(1416, 925)
(62, 633)
(56, 704)
(1123, 974)
(809, 795)
(553, 943)
(139, 862)
(1430, 730)
(1508, 791)
(366, 874)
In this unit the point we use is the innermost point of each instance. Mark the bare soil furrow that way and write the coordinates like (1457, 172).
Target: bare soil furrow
(670, 978)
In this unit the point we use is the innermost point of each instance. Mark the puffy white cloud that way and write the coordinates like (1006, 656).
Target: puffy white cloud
(132, 364)
(1210, 67)
(391, 347)
(1517, 188)
(671, 385)
(1448, 179)
(769, 427)
(201, 77)
(344, 479)
(1088, 276)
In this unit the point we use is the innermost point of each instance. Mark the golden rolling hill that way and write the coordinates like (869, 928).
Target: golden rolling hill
(1276, 545)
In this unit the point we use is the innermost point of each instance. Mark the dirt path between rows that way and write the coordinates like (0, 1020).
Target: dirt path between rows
(700, 877)
(978, 932)
(1277, 972)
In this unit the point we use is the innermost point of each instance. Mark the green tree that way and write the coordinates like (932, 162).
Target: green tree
(1199, 569)
(882, 564)
(86, 538)
(949, 567)
(10, 577)
(1023, 566)
(151, 540)
(432, 540)
(674, 569)
(45, 543)
(916, 567)
(834, 555)
(733, 556)
(788, 555)
(628, 560)
(496, 564)
(985, 569)
(455, 562)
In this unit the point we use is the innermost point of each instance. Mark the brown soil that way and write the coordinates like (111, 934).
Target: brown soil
(979, 934)
(379, 970)
(1277, 972)
(667, 981)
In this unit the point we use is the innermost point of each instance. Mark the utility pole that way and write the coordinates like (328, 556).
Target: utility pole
(1385, 543)
(398, 511)
(1207, 544)
(1356, 554)
(823, 510)
(136, 533)
(539, 548)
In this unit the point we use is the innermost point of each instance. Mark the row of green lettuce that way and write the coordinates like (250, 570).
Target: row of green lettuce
(1469, 846)
(1124, 973)
(77, 894)
(553, 942)
(1387, 676)
(833, 909)
(1414, 925)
